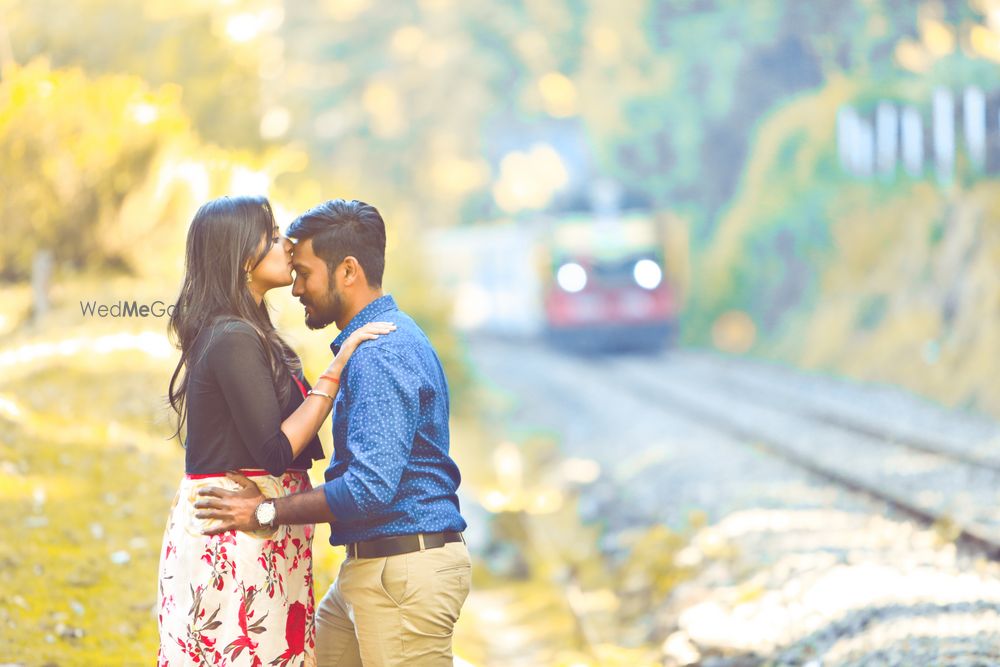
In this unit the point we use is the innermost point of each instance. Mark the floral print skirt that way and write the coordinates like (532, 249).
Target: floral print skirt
(239, 598)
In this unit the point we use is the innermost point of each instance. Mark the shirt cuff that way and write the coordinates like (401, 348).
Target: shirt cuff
(340, 500)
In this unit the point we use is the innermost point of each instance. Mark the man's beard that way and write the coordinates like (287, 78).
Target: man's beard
(328, 311)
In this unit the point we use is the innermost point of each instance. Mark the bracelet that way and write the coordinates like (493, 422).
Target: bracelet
(330, 378)
(319, 393)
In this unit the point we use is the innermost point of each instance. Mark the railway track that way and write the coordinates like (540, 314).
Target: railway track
(935, 480)
(977, 443)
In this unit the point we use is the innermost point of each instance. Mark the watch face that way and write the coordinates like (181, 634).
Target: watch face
(265, 513)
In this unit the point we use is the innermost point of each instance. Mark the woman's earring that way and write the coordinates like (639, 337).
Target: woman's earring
(249, 277)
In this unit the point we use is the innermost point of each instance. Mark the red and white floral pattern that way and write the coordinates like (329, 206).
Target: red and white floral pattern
(239, 598)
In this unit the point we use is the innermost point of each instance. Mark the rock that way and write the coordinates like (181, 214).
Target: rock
(679, 649)
(69, 632)
(120, 557)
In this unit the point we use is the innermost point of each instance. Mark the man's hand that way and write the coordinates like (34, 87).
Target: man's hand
(234, 509)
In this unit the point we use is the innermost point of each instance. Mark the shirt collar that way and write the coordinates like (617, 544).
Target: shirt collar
(368, 314)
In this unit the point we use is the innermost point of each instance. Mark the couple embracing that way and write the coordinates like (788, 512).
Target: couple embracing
(235, 575)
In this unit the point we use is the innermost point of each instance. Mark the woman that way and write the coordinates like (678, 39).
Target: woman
(240, 598)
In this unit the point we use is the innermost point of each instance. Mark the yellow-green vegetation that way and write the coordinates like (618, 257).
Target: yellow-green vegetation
(70, 172)
(890, 280)
(178, 42)
(86, 483)
(105, 172)
(913, 296)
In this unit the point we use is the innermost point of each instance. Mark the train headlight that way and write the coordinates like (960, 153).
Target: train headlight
(571, 277)
(647, 274)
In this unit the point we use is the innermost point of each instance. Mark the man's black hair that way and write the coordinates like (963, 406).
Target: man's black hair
(339, 229)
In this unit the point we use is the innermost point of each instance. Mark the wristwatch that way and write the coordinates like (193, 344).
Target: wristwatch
(266, 513)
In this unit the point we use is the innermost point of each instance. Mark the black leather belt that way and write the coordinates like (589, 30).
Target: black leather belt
(401, 544)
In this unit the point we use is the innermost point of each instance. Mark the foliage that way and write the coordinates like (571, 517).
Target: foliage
(662, 96)
(72, 149)
(929, 259)
(161, 42)
(853, 274)
(87, 512)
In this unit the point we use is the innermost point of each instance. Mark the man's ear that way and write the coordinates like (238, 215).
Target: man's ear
(352, 271)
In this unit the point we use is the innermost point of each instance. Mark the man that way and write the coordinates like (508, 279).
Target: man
(390, 491)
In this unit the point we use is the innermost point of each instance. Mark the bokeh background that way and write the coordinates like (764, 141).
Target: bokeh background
(821, 178)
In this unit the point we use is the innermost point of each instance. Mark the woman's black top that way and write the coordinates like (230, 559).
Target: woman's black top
(234, 415)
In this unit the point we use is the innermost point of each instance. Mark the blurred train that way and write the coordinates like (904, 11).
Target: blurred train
(606, 284)
(582, 281)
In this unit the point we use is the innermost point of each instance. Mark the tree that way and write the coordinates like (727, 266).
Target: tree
(71, 149)
(162, 42)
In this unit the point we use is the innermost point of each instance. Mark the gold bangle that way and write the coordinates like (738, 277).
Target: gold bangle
(319, 393)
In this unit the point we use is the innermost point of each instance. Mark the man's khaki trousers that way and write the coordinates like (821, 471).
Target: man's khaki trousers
(399, 610)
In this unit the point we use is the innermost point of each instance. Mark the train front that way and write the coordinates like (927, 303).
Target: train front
(607, 286)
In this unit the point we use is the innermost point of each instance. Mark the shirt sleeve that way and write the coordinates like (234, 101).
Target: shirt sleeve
(239, 362)
(382, 418)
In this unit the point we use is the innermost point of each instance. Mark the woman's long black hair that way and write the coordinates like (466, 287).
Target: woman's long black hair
(225, 237)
